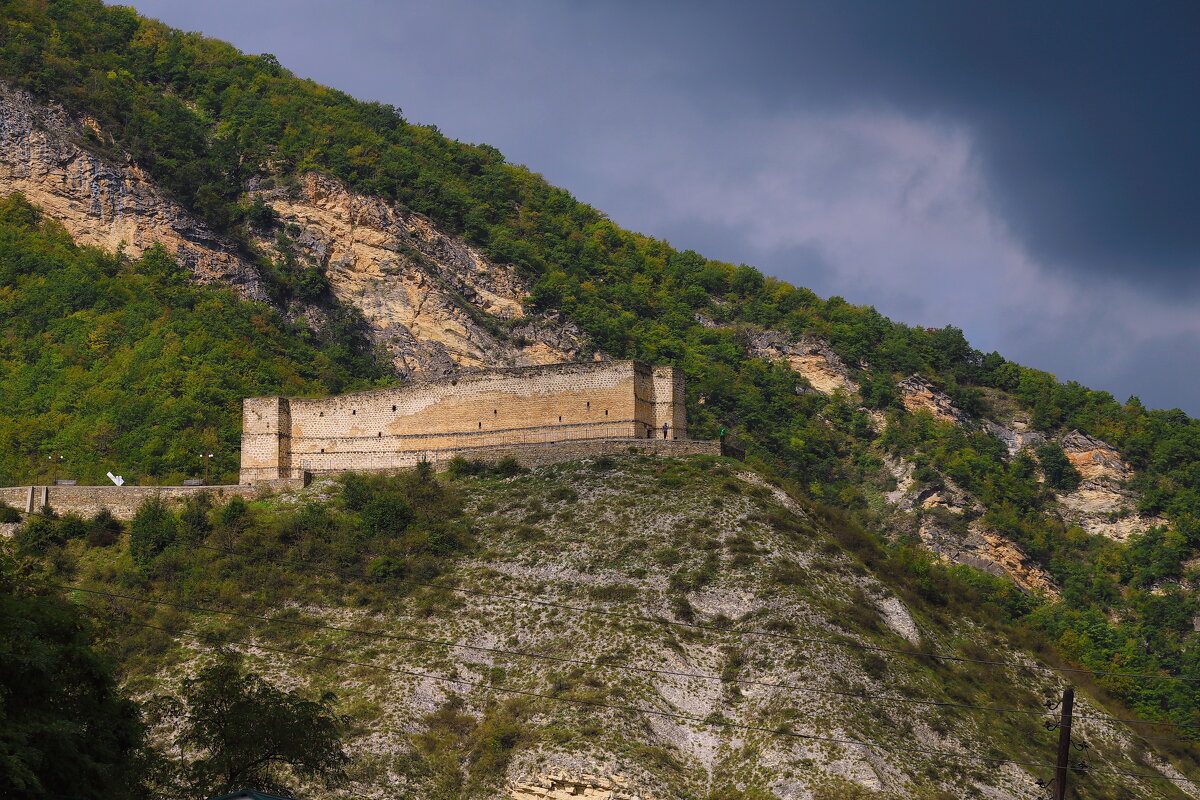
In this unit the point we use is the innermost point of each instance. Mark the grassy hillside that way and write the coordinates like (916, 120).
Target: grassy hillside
(743, 640)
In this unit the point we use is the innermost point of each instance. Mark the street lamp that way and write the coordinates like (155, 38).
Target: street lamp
(55, 460)
(206, 457)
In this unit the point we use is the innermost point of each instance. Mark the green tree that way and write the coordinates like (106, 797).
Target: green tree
(1059, 471)
(154, 528)
(64, 727)
(232, 729)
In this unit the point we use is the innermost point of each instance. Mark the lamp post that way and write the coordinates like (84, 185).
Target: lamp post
(55, 460)
(205, 457)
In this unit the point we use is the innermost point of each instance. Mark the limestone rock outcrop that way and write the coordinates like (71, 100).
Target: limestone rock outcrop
(563, 784)
(813, 358)
(1102, 504)
(917, 393)
(102, 201)
(946, 520)
(1095, 459)
(434, 303)
(1015, 434)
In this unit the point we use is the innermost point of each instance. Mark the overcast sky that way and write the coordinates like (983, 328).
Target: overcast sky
(1029, 172)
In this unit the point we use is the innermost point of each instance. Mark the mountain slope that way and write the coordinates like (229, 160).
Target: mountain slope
(108, 363)
(337, 211)
(649, 697)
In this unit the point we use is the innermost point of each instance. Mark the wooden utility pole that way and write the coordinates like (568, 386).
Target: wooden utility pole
(1064, 744)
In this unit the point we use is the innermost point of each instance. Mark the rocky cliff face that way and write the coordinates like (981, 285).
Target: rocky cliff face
(809, 356)
(919, 394)
(1102, 504)
(434, 304)
(945, 518)
(105, 202)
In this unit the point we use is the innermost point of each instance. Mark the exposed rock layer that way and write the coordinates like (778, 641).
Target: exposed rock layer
(102, 202)
(810, 357)
(434, 302)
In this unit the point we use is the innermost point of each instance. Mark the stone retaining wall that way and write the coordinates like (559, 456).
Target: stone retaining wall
(122, 501)
(538, 454)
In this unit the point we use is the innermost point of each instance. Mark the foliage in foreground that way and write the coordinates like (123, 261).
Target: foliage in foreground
(64, 727)
(232, 729)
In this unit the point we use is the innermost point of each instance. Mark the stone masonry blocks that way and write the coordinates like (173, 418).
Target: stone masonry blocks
(436, 419)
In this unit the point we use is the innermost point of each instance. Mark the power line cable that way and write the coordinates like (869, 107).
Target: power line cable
(721, 723)
(736, 631)
(563, 660)
(608, 665)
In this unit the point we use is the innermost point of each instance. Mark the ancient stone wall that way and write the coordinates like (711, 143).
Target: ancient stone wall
(122, 501)
(542, 454)
(437, 419)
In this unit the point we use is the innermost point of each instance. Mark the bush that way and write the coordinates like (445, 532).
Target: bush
(508, 467)
(153, 529)
(194, 517)
(103, 529)
(235, 515)
(356, 491)
(72, 526)
(37, 534)
(387, 515)
(460, 467)
(8, 513)
(1059, 471)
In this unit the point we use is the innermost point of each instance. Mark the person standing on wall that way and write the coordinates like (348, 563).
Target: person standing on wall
(664, 430)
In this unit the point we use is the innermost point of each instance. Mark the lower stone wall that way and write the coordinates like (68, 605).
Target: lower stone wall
(15, 496)
(122, 501)
(537, 454)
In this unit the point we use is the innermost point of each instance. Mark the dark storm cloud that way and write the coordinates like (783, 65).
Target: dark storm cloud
(1026, 171)
(1085, 115)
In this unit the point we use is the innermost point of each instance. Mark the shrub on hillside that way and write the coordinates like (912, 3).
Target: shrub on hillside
(8, 513)
(1059, 471)
(387, 515)
(103, 529)
(153, 529)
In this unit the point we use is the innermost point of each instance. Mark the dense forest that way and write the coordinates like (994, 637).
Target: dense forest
(101, 356)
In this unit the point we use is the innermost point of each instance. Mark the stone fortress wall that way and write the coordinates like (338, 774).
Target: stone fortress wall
(536, 415)
(533, 410)
(122, 501)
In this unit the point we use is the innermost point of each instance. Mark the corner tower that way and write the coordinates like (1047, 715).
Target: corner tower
(266, 439)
